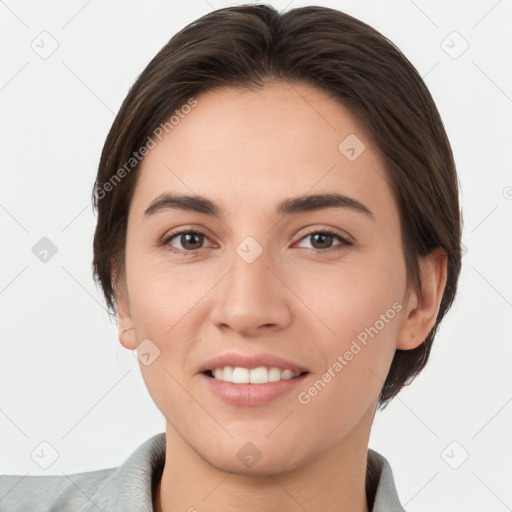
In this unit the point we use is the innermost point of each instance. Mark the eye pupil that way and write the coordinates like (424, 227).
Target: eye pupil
(186, 239)
(323, 237)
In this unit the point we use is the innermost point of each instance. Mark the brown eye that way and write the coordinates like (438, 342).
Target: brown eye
(191, 241)
(321, 241)
(185, 242)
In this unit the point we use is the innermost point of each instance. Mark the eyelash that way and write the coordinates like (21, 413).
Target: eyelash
(166, 241)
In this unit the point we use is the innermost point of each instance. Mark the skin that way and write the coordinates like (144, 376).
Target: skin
(247, 151)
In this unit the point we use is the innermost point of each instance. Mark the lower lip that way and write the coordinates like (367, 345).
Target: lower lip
(250, 395)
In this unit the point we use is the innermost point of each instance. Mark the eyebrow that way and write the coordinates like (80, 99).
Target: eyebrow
(306, 203)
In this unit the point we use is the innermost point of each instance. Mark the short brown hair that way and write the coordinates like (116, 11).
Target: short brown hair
(248, 45)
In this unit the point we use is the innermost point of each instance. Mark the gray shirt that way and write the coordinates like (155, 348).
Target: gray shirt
(130, 487)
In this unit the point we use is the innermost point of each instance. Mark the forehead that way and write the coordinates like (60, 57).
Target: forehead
(240, 146)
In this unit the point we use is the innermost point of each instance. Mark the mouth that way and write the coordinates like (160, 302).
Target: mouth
(248, 380)
(259, 375)
(244, 387)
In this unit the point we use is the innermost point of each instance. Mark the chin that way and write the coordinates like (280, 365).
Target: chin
(262, 468)
(262, 458)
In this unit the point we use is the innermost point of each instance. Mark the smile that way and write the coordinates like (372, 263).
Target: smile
(259, 375)
(251, 394)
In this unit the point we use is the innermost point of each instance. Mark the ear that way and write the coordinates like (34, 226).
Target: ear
(423, 305)
(125, 323)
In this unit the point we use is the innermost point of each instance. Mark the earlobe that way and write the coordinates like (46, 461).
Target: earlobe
(423, 305)
(126, 336)
(125, 323)
(125, 328)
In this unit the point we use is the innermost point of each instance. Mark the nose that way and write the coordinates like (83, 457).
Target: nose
(252, 298)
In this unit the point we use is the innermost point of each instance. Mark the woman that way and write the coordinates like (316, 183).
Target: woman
(278, 236)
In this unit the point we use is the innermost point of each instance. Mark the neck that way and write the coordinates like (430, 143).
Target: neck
(334, 480)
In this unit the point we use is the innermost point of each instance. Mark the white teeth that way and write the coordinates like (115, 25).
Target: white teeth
(227, 373)
(274, 375)
(260, 375)
(240, 375)
(287, 374)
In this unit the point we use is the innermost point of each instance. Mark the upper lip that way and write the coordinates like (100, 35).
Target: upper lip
(250, 361)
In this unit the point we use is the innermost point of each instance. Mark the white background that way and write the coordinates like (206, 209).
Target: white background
(65, 378)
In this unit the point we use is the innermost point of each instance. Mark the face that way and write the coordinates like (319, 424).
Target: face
(318, 291)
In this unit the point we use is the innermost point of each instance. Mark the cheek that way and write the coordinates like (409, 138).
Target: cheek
(357, 355)
(160, 293)
(347, 300)
(357, 316)
(162, 308)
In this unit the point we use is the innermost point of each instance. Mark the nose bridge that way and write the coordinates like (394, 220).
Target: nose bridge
(250, 295)
(250, 267)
